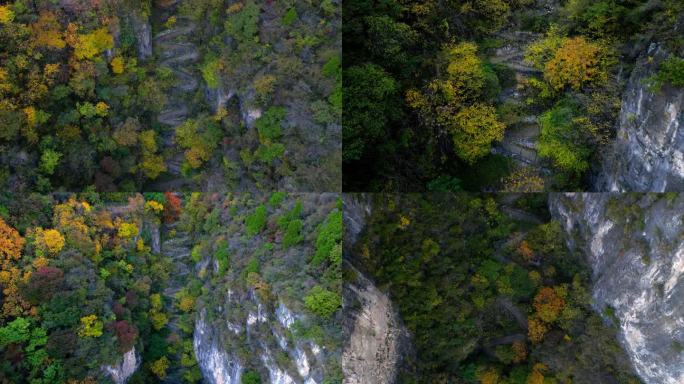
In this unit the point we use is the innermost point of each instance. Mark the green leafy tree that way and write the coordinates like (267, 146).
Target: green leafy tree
(251, 377)
(242, 24)
(370, 105)
(562, 140)
(256, 221)
(322, 302)
(329, 234)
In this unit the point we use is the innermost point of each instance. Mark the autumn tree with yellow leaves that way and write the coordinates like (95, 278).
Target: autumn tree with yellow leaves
(450, 104)
(575, 63)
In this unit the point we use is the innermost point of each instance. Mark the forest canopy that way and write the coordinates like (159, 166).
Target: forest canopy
(514, 95)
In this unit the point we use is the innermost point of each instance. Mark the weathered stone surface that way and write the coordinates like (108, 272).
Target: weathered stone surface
(647, 155)
(638, 271)
(121, 372)
(375, 340)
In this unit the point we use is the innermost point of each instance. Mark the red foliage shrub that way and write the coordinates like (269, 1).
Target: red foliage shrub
(43, 284)
(131, 299)
(172, 208)
(118, 310)
(126, 334)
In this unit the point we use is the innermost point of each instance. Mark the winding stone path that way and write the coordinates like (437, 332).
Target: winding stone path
(175, 51)
(177, 249)
(521, 136)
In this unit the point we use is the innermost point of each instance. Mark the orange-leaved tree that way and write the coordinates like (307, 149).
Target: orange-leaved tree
(548, 304)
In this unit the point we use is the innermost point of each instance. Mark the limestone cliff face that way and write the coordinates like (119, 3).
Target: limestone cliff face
(376, 342)
(218, 367)
(648, 154)
(283, 359)
(124, 369)
(635, 247)
(242, 328)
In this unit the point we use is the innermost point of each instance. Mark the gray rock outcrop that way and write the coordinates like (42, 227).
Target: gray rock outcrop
(375, 341)
(635, 248)
(267, 331)
(143, 35)
(121, 372)
(648, 153)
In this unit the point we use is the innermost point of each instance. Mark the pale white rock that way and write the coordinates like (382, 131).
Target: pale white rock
(285, 317)
(251, 319)
(217, 365)
(276, 375)
(642, 286)
(302, 362)
(125, 368)
(647, 153)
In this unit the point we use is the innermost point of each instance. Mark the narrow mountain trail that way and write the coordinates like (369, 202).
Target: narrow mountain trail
(176, 246)
(522, 134)
(175, 51)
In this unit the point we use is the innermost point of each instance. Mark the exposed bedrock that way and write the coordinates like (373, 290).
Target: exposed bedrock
(375, 341)
(647, 155)
(635, 247)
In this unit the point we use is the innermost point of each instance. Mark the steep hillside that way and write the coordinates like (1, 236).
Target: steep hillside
(633, 244)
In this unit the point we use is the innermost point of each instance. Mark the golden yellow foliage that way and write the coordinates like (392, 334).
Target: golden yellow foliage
(536, 329)
(90, 326)
(11, 244)
(154, 206)
(535, 277)
(186, 303)
(46, 31)
(537, 374)
(156, 301)
(53, 240)
(489, 376)
(170, 22)
(473, 130)
(89, 45)
(575, 63)
(524, 180)
(235, 8)
(159, 320)
(152, 166)
(525, 251)
(404, 222)
(30, 113)
(264, 85)
(127, 230)
(548, 304)
(40, 262)
(117, 65)
(519, 352)
(6, 14)
(541, 51)
(465, 71)
(160, 366)
(102, 108)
